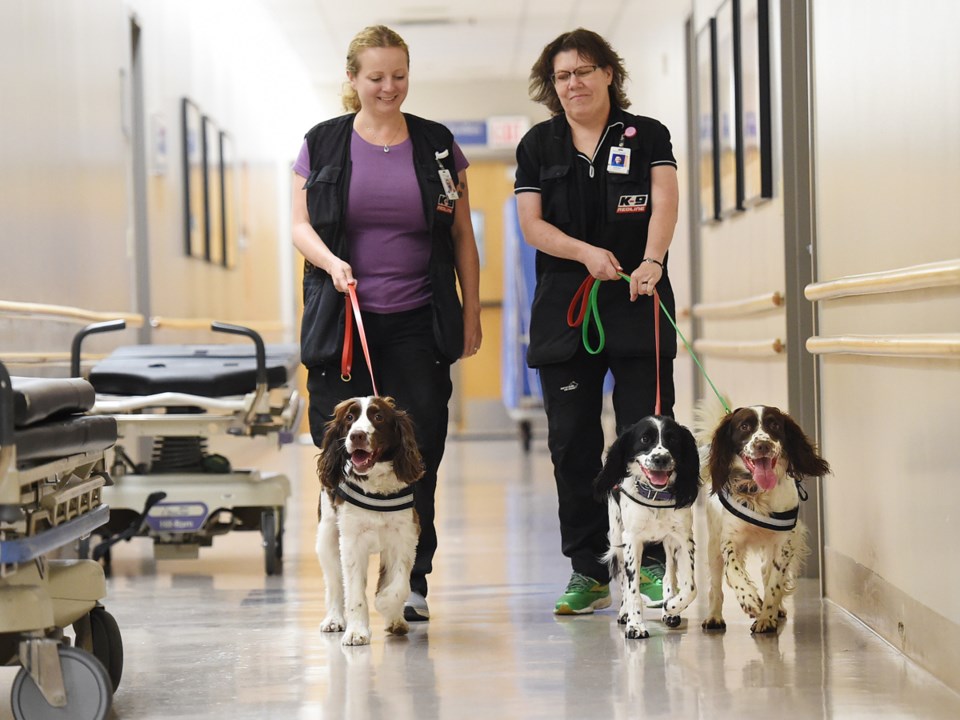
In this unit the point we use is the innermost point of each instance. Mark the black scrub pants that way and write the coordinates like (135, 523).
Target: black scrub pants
(573, 400)
(408, 368)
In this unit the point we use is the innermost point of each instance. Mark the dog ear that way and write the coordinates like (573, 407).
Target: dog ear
(614, 469)
(721, 453)
(408, 462)
(331, 459)
(687, 484)
(804, 459)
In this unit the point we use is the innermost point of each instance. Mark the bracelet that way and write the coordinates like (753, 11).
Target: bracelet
(655, 262)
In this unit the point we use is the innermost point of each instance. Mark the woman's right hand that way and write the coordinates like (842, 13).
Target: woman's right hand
(601, 264)
(341, 273)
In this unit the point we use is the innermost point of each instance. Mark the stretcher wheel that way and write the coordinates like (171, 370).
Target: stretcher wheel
(85, 681)
(271, 528)
(107, 643)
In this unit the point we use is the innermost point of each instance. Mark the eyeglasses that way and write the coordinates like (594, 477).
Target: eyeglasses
(562, 76)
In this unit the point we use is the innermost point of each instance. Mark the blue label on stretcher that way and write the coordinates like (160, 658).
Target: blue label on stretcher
(177, 517)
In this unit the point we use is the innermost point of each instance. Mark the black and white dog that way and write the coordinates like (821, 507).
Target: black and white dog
(650, 478)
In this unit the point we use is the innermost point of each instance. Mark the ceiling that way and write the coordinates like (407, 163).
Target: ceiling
(448, 41)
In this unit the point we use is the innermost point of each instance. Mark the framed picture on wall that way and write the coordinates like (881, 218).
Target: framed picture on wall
(731, 194)
(193, 180)
(212, 191)
(708, 140)
(230, 206)
(755, 123)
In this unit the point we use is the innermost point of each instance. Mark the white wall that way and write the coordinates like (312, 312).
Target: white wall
(66, 222)
(888, 175)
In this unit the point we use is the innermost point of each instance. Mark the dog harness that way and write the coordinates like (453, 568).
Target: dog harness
(355, 495)
(651, 498)
(780, 521)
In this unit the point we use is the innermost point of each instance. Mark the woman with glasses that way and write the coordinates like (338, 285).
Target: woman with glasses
(597, 196)
(380, 202)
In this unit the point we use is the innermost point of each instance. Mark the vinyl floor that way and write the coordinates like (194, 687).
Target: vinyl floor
(216, 638)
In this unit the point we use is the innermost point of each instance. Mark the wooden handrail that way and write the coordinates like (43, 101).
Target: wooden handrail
(167, 323)
(739, 348)
(918, 346)
(915, 277)
(44, 358)
(68, 313)
(133, 320)
(738, 308)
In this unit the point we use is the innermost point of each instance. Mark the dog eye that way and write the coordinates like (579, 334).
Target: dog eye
(378, 417)
(349, 417)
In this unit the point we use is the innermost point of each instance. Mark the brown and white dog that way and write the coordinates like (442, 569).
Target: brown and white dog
(758, 457)
(368, 463)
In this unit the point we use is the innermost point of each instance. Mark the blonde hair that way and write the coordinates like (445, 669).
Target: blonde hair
(374, 36)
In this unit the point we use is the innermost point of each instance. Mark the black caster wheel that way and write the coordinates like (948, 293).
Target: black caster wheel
(271, 528)
(107, 643)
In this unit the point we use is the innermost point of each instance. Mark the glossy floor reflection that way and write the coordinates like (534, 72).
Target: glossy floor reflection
(214, 637)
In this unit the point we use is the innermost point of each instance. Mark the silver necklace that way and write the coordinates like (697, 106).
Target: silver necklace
(386, 145)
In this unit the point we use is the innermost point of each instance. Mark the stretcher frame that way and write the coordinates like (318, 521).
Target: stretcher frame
(182, 512)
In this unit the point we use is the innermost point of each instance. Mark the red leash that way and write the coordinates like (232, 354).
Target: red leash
(346, 361)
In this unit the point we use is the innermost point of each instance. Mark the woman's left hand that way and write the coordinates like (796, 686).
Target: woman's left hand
(644, 279)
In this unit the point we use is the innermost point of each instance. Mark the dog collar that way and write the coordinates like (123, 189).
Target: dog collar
(652, 498)
(780, 521)
(379, 503)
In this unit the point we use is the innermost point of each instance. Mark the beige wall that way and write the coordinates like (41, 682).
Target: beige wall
(888, 175)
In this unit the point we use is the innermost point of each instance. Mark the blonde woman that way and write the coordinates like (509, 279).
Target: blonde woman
(381, 200)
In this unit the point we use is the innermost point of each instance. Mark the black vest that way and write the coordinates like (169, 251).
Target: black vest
(596, 215)
(321, 331)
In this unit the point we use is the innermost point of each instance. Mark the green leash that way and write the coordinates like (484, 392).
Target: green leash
(586, 295)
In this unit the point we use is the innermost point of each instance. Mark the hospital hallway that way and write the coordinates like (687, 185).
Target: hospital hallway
(216, 637)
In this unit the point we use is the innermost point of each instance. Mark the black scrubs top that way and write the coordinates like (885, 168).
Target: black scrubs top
(608, 210)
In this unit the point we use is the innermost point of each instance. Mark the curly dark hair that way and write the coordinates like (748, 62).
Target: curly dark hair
(588, 45)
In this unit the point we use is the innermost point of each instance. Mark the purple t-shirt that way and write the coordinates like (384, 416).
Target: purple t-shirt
(389, 239)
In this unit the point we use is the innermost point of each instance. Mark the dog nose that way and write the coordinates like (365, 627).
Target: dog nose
(358, 438)
(763, 447)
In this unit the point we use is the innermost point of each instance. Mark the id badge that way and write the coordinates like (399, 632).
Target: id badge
(619, 161)
(448, 187)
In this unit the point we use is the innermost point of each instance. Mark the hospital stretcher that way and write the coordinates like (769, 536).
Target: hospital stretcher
(52, 475)
(177, 397)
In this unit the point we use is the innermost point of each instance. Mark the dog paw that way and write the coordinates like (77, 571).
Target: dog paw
(332, 625)
(671, 620)
(714, 623)
(636, 632)
(398, 627)
(356, 637)
(622, 619)
(764, 625)
(782, 614)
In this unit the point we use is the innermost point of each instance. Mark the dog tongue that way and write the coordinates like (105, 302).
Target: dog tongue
(763, 474)
(658, 478)
(361, 460)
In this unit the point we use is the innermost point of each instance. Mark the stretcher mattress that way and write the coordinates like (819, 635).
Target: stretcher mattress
(204, 370)
(48, 422)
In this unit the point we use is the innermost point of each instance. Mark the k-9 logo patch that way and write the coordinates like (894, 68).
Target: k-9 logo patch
(632, 204)
(444, 204)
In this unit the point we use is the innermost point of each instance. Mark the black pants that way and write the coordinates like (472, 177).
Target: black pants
(573, 400)
(406, 367)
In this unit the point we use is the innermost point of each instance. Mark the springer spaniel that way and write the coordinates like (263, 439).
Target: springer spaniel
(368, 463)
(758, 457)
(650, 478)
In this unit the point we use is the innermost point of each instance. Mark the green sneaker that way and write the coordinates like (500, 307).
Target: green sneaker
(651, 584)
(582, 596)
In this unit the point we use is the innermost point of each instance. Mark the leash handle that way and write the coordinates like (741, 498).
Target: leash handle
(586, 296)
(346, 360)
